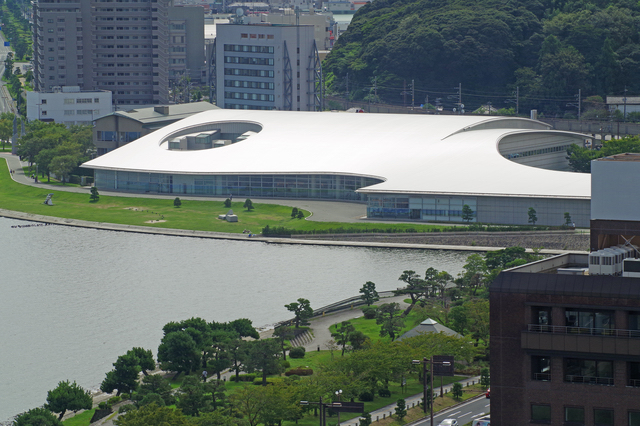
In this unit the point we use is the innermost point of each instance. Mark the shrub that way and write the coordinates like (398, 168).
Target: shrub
(366, 396)
(270, 380)
(285, 364)
(300, 371)
(125, 408)
(243, 378)
(125, 396)
(104, 405)
(297, 352)
(227, 203)
(384, 393)
(370, 312)
(115, 399)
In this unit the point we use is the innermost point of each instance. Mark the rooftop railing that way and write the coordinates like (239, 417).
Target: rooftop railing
(561, 329)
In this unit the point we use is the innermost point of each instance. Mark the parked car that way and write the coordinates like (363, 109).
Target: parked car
(488, 394)
(449, 422)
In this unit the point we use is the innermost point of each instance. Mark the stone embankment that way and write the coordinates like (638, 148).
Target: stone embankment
(552, 240)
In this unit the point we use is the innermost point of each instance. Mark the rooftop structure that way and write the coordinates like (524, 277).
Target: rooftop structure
(429, 326)
(409, 166)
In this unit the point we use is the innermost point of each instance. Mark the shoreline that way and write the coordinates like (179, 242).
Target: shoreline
(243, 237)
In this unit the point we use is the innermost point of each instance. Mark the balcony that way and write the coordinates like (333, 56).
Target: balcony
(589, 380)
(543, 377)
(581, 339)
(558, 329)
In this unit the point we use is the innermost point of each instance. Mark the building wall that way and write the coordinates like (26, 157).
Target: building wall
(323, 25)
(543, 150)
(262, 85)
(186, 38)
(514, 388)
(614, 190)
(68, 107)
(99, 45)
(498, 210)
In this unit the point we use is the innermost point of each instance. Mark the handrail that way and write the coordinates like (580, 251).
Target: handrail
(560, 329)
(591, 380)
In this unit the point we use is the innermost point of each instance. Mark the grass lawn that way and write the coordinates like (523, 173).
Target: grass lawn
(192, 215)
(81, 419)
(312, 359)
(372, 330)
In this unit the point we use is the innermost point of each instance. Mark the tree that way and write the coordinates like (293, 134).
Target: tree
(467, 213)
(300, 214)
(365, 420)
(282, 334)
(248, 204)
(227, 203)
(191, 398)
(263, 355)
(157, 385)
(178, 352)
(152, 415)
(369, 293)
(302, 311)
(357, 339)
(415, 288)
(341, 335)
(388, 317)
(124, 376)
(216, 388)
(294, 212)
(401, 409)
(177, 202)
(63, 165)
(485, 379)
(457, 391)
(145, 359)
(567, 219)
(68, 396)
(37, 417)
(95, 196)
(532, 216)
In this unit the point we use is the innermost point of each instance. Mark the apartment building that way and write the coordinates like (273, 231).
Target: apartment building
(186, 41)
(68, 105)
(267, 67)
(110, 45)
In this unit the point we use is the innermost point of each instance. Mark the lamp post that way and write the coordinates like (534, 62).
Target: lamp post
(339, 395)
(424, 366)
(322, 405)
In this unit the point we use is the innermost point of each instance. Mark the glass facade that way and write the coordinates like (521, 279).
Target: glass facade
(280, 186)
(440, 209)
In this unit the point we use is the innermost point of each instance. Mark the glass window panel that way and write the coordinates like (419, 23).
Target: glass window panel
(574, 415)
(540, 413)
(602, 417)
(634, 418)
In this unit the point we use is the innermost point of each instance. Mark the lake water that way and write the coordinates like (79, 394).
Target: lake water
(72, 299)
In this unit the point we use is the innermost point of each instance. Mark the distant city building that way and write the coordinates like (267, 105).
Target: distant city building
(103, 45)
(186, 41)
(68, 105)
(267, 67)
(121, 127)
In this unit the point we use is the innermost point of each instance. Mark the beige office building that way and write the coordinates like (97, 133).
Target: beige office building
(110, 45)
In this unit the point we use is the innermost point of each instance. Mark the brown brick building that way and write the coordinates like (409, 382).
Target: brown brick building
(565, 347)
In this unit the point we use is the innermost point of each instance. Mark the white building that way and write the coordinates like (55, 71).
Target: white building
(68, 105)
(267, 67)
(404, 166)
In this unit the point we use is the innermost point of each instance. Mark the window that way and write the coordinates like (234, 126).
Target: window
(634, 418)
(574, 415)
(541, 368)
(69, 112)
(634, 374)
(598, 322)
(69, 101)
(594, 372)
(540, 413)
(602, 417)
(44, 102)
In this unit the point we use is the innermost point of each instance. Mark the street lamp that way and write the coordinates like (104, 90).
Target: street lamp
(339, 394)
(424, 366)
(323, 417)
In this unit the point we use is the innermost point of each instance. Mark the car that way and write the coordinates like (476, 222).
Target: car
(449, 422)
(488, 394)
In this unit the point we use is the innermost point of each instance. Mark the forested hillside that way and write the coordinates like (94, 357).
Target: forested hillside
(549, 49)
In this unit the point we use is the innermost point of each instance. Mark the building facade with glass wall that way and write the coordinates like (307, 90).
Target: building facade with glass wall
(409, 167)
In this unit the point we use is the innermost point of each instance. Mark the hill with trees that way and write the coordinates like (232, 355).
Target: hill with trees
(548, 49)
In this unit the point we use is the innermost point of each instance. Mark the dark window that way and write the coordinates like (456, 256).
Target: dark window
(603, 417)
(540, 413)
(588, 371)
(634, 418)
(634, 320)
(541, 368)
(634, 374)
(596, 321)
(574, 415)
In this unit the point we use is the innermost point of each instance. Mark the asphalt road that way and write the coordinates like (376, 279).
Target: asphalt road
(464, 413)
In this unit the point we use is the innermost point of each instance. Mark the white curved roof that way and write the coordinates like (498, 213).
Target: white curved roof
(412, 153)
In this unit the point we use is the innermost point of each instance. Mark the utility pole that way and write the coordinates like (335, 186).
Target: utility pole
(625, 104)
(517, 100)
(460, 105)
(347, 106)
(413, 93)
(579, 103)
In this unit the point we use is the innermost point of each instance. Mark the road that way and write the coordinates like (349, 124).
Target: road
(464, 413)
